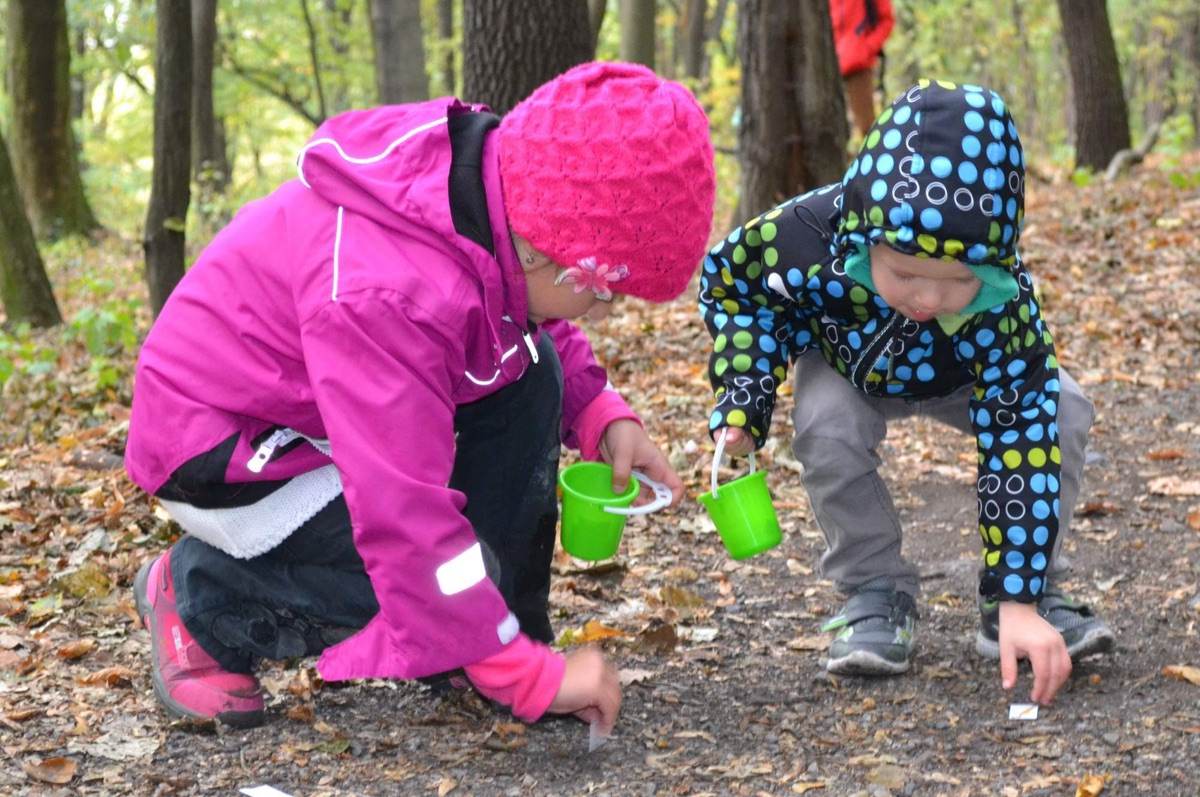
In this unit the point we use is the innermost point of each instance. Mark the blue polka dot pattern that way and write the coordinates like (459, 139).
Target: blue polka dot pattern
(940, 175)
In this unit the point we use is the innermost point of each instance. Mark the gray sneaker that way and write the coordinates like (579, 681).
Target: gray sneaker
(874, 631)
(1084, 632)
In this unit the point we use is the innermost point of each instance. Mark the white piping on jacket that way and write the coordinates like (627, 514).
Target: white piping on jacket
(362, 161)
(337, 253)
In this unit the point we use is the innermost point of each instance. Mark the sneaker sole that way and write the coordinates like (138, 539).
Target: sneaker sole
(864, 662)
(236, 719)
(1098, 640)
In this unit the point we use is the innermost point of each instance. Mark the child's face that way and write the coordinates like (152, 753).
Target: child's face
(921, 288)
(548, 300)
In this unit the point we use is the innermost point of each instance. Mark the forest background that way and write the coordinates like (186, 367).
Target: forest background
(102, 208)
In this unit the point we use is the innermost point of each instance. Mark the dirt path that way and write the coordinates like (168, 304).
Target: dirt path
(726, 693)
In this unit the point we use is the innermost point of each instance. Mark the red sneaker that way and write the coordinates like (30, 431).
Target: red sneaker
(188, 681)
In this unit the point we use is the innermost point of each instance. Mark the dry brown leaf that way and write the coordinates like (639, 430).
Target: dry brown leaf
(73, 651)
(57, 770)
(1183, 672)
(1173, 485)
(446, 786)
(1090, 786)
(1164, 454)
(817, 642)
(594, 630)
(301, 713)
(109, 676)
(1193, 519)
(806, 786)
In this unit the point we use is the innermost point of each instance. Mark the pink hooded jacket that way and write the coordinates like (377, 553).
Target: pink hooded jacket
(347, 306)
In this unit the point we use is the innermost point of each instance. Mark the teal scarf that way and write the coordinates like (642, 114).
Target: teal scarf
(998, 286)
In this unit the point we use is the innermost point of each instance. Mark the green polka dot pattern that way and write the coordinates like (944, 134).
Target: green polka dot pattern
(940, 175)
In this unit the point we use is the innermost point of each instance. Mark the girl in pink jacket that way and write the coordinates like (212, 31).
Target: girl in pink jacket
(353, 403)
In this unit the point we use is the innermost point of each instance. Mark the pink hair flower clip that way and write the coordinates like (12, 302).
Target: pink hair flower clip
(587, 274)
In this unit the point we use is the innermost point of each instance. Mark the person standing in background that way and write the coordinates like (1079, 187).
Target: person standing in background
(860, 28)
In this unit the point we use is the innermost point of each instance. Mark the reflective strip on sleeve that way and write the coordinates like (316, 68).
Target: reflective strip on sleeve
(462, 572)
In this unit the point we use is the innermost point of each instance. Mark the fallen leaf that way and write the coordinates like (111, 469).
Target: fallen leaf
(1090, 786)
(680, 598)
(817, 642)
(58, 770)
(301, 713)
(1173, 485)
(1182, 672)
(1092, 508)
(658, 637)
(77, 649)
(446, 785)
(807, 786)
(1193, 519)
(627, 677)
(888, 776)
(1164, 454)
(109, 676)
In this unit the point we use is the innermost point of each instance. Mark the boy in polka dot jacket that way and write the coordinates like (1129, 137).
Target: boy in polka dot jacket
(900, 291)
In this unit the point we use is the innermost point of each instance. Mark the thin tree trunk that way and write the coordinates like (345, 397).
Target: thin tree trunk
(637, 20)
(693, 38)
(1101, 115)
(314, 60)
(793, 131)
(210, 162)
(399, 51)
(341, 13)
(511, 49)
(596, 11)
(446, 35)
(1030, 98)
(43, 147)
(24, 287)
(170, 191)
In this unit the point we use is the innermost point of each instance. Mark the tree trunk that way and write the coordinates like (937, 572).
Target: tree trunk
(1101, 116)
(693, 37)
(210, 162)
(340, 12)
(314, 59)
(637, 20)
(170, 190)
(43, 147)
(1029, 117)
(446, 34)
(24, 288)
(596, 10)
(399, 51)
(793, 131)
(509, 49)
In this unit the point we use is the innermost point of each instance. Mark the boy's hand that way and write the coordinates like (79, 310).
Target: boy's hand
(625, 445)
(1024, 634)
(590, 690)
(737, 442)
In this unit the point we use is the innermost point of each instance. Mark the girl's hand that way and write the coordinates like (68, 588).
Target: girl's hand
(590, 690)
(1025, 635)
(625, 445)
(737, 442)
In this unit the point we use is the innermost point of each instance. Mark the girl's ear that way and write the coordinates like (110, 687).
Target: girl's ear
(525, 252)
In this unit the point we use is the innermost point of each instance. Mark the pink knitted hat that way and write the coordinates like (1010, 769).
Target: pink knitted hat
(609, 165)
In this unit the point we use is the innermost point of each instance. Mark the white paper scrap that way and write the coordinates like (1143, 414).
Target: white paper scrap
(263, 791)
(596, 739)
(1022, 711)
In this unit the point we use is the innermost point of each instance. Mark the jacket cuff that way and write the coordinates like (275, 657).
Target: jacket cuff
(606, 407)
(525, 676)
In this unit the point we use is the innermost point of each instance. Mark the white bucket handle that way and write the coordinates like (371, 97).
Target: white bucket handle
(720, 452)
(662, 497)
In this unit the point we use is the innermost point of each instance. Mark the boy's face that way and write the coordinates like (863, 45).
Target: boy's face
(921, 288)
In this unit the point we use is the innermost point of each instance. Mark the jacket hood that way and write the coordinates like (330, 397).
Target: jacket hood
(384, 163)
(941, 174)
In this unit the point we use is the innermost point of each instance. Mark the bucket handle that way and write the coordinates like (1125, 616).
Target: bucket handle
(720, 452)
(662, 497)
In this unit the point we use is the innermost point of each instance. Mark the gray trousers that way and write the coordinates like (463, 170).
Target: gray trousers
(838, 430)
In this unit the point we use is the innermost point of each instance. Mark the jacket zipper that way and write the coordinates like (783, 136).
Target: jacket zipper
(872, 352)
(280, 437)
